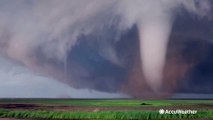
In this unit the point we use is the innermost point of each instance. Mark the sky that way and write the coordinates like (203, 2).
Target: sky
(106, 49)
(19, 82)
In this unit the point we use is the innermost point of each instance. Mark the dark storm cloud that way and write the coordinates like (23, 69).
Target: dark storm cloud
(91, 44)
(99, 72)
(194, 44)
(20, 82)
(40, 37)
(199, 79)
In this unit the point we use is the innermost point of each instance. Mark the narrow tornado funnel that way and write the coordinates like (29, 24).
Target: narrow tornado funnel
(154, 34)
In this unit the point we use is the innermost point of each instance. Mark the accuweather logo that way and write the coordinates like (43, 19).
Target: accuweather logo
(178, 111)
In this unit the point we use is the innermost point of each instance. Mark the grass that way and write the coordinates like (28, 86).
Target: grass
(103, 115)
(107, 103)
(107, 115)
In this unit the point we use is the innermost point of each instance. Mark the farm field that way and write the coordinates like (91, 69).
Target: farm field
(100, 109)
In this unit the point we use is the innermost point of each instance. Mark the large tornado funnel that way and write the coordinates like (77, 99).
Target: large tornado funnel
(154, 36)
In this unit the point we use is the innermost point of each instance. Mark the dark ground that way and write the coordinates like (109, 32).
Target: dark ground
(101, 108)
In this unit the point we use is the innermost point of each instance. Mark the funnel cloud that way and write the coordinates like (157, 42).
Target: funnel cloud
(99, 45)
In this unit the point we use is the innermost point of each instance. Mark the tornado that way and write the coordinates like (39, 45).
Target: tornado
(154, 19)
(51, 28)
(154, 34)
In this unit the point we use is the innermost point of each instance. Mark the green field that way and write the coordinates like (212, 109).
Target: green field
(102, 109)
(110, 103)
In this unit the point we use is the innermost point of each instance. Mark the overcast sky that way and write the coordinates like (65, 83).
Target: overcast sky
(19, 82)
(107, 48)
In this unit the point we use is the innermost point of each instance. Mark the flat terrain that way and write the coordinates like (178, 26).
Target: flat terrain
(29, 106)
(102, 109)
